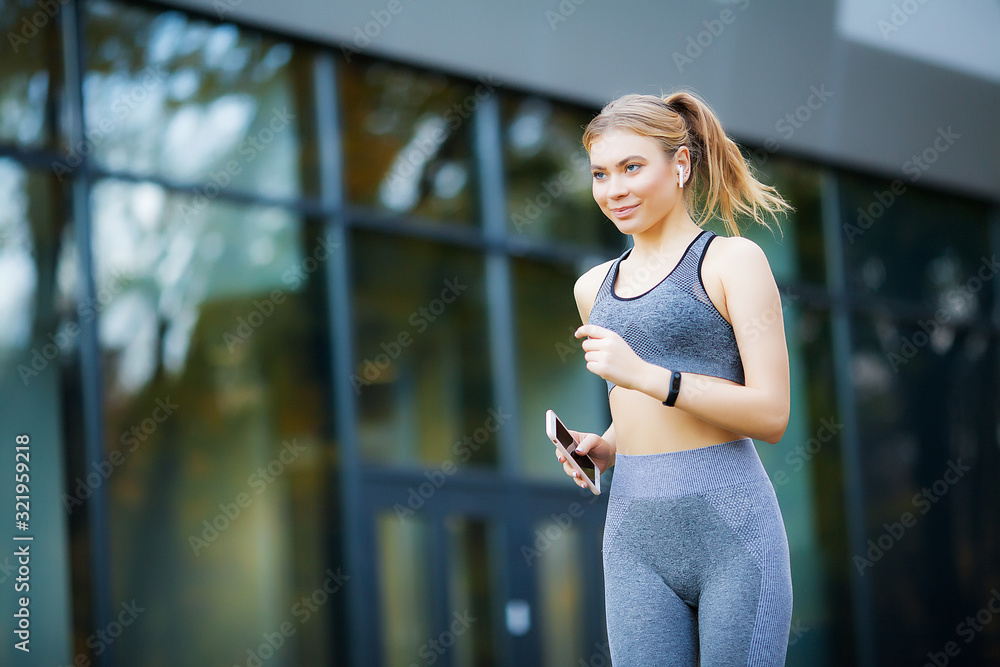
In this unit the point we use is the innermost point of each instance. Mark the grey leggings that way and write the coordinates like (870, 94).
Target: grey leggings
(696, 560)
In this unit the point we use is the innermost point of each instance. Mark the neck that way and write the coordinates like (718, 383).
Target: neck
(664, 238)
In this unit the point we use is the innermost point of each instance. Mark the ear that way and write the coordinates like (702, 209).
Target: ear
(682, 157)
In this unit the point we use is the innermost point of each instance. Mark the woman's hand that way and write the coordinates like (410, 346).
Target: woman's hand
(599, 449)
(608, 355)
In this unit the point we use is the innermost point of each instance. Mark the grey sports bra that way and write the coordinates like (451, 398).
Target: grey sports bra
(674, 324)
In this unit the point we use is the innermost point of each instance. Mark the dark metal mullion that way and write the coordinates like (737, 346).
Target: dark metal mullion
(840, 318)
(499, 543)
(37, 158)
(303, 204)
(561, 252)
(362, 629)
(503, 355)
(592, 560)
(438, 566)
(994, 235)
(71, 21)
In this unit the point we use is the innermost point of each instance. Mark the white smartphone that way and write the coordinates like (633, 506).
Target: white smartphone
(564, 441)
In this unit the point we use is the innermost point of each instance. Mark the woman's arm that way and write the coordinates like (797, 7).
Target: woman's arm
(759, 408)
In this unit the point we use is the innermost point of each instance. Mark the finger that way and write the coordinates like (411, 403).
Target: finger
(587, 444)
(590, 331)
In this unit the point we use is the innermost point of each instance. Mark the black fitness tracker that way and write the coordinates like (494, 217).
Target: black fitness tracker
(675, 386)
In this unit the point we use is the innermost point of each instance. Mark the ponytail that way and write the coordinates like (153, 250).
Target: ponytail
(721, 182)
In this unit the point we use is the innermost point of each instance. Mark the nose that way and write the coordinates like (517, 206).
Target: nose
(617, 187)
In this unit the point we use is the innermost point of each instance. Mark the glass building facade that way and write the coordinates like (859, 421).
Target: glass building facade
(282, 321)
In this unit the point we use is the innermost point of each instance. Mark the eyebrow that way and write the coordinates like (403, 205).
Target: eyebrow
(621, 162)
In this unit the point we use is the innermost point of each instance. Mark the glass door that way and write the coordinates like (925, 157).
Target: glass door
(481, 573)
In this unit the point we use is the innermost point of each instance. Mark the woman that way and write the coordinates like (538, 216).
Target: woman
(696, 560)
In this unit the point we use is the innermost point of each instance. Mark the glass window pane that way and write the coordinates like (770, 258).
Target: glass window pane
(908, 243)
(422, 372)
(403, 574)
(928, 415)
(473, 571)
(548, 174)
(561, 596)
(551, 369)
(805, 469)
(30, 70)
(217, 422)
(408, 140)
(800, 239)
(170, 95)
(40, 399)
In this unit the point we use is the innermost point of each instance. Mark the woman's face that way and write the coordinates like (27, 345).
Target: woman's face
(633, 181)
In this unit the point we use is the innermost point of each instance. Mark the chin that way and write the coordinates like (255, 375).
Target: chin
(630, 227)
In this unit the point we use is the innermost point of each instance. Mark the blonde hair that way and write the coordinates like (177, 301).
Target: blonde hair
(721, 181)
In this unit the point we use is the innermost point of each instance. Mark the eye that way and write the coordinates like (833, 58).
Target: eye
(628, 167)
(598, 175)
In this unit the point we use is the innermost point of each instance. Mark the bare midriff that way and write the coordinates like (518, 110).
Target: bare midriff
(643, 425)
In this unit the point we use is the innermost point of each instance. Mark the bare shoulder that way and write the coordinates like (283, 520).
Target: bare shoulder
(738, 247)
(586, 288)
(737, 257)
(735, 269)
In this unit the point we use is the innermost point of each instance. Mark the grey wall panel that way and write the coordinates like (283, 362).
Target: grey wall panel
(755, 65)
(895, 108)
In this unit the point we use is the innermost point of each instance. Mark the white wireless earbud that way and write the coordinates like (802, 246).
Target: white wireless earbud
(680, 176)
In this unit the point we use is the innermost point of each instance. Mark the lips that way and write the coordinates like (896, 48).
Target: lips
(624, 210)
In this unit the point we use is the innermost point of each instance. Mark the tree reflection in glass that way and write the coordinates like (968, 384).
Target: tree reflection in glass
(166, 94)
(407, 141)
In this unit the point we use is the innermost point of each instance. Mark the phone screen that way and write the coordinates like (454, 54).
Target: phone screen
(567, 441)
